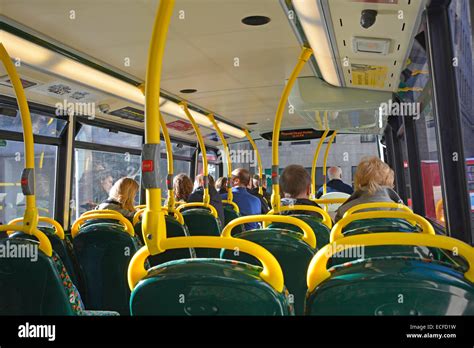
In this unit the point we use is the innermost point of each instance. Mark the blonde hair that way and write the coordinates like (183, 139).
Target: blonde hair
(124, 191)
(372, 175)
(182, 187)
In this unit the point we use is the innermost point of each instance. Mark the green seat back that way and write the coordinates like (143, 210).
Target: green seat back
(62, 247)
(34, 285)
(200, 222)
(393, 286)
(293, 255)
(103, 251)
(173, 229)
(206, 287)
(380, 226)
(230, 214)
(321, 231)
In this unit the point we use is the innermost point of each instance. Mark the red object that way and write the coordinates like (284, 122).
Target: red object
(180, 125)
(147, 166)
(431, 179)
(24, 182)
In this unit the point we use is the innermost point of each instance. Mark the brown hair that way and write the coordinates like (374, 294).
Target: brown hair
(372, 174)
(182, 186)
(124, 191)
(242, 174)
(221, 183)
(294, 180)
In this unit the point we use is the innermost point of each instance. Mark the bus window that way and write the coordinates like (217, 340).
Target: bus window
(96, 170)
(12, 200)
(212, 163)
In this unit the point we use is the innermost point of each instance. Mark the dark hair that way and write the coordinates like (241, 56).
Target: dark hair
(294, 180)
(242, 174)
(221, 183)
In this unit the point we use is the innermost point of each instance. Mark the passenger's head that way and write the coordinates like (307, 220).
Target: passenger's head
(182, 186)
(372, 175)
(334, 173)
(106, 182)
(256, 181)
(124, 192)
(295, 182)
(199, 181)
(221, 183)
(240, 177)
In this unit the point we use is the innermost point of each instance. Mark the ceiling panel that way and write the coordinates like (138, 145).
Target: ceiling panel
(200, 50)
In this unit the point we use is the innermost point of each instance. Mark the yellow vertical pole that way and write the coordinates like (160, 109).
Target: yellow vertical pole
(202, 146)
(331, 139)
(230, 196)
(154, 225)
(30, 218)
(259, 160)
(315, 162)
(303, 58)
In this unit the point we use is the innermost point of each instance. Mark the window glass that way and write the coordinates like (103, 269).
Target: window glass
(178, 168)
(12, 200)
(212, 165)
(95, 173)
(459, 11)
(104, 136)
(180, 149)
(10, 120)
(417, 91)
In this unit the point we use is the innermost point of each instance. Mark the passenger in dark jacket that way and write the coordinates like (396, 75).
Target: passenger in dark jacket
(295, 185)
(335, 183)
(198, 194)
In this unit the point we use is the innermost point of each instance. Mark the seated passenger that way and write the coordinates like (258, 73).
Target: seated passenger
(373, 183)
(221, 185)
(198, 194)
(295, 186)
(182, 187)
(121, 198)
(335, 183)
(252, 188)
(248, 204)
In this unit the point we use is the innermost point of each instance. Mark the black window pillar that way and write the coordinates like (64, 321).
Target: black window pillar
(448, 122)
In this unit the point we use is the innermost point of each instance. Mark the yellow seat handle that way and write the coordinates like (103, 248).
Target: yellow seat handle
(271, 272)
(198, 205)
(101, 211)
(177, 215)
(120, 218)
(336, 232)
(44, 242)
(363, 206)
(233, 204)
(329, 200)
(308, 234)
(317, 270)
(58, 229)
(326, 218)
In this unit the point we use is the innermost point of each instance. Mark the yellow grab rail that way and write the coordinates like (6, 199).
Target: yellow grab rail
(120, 218)
(326, 154)
(153, 222)
(230, 196)
(308, 234)
(44, 242)
(233, 204)
(303, 58)
(326, 218)
(104, 211)
(30, 217)
(363, 206)
(199, 205)
(271, 272)
(317, 270)
(58, 229)
(177, 215)
(336, 232)
(205, 170)
(315, 162)
(259, 160)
